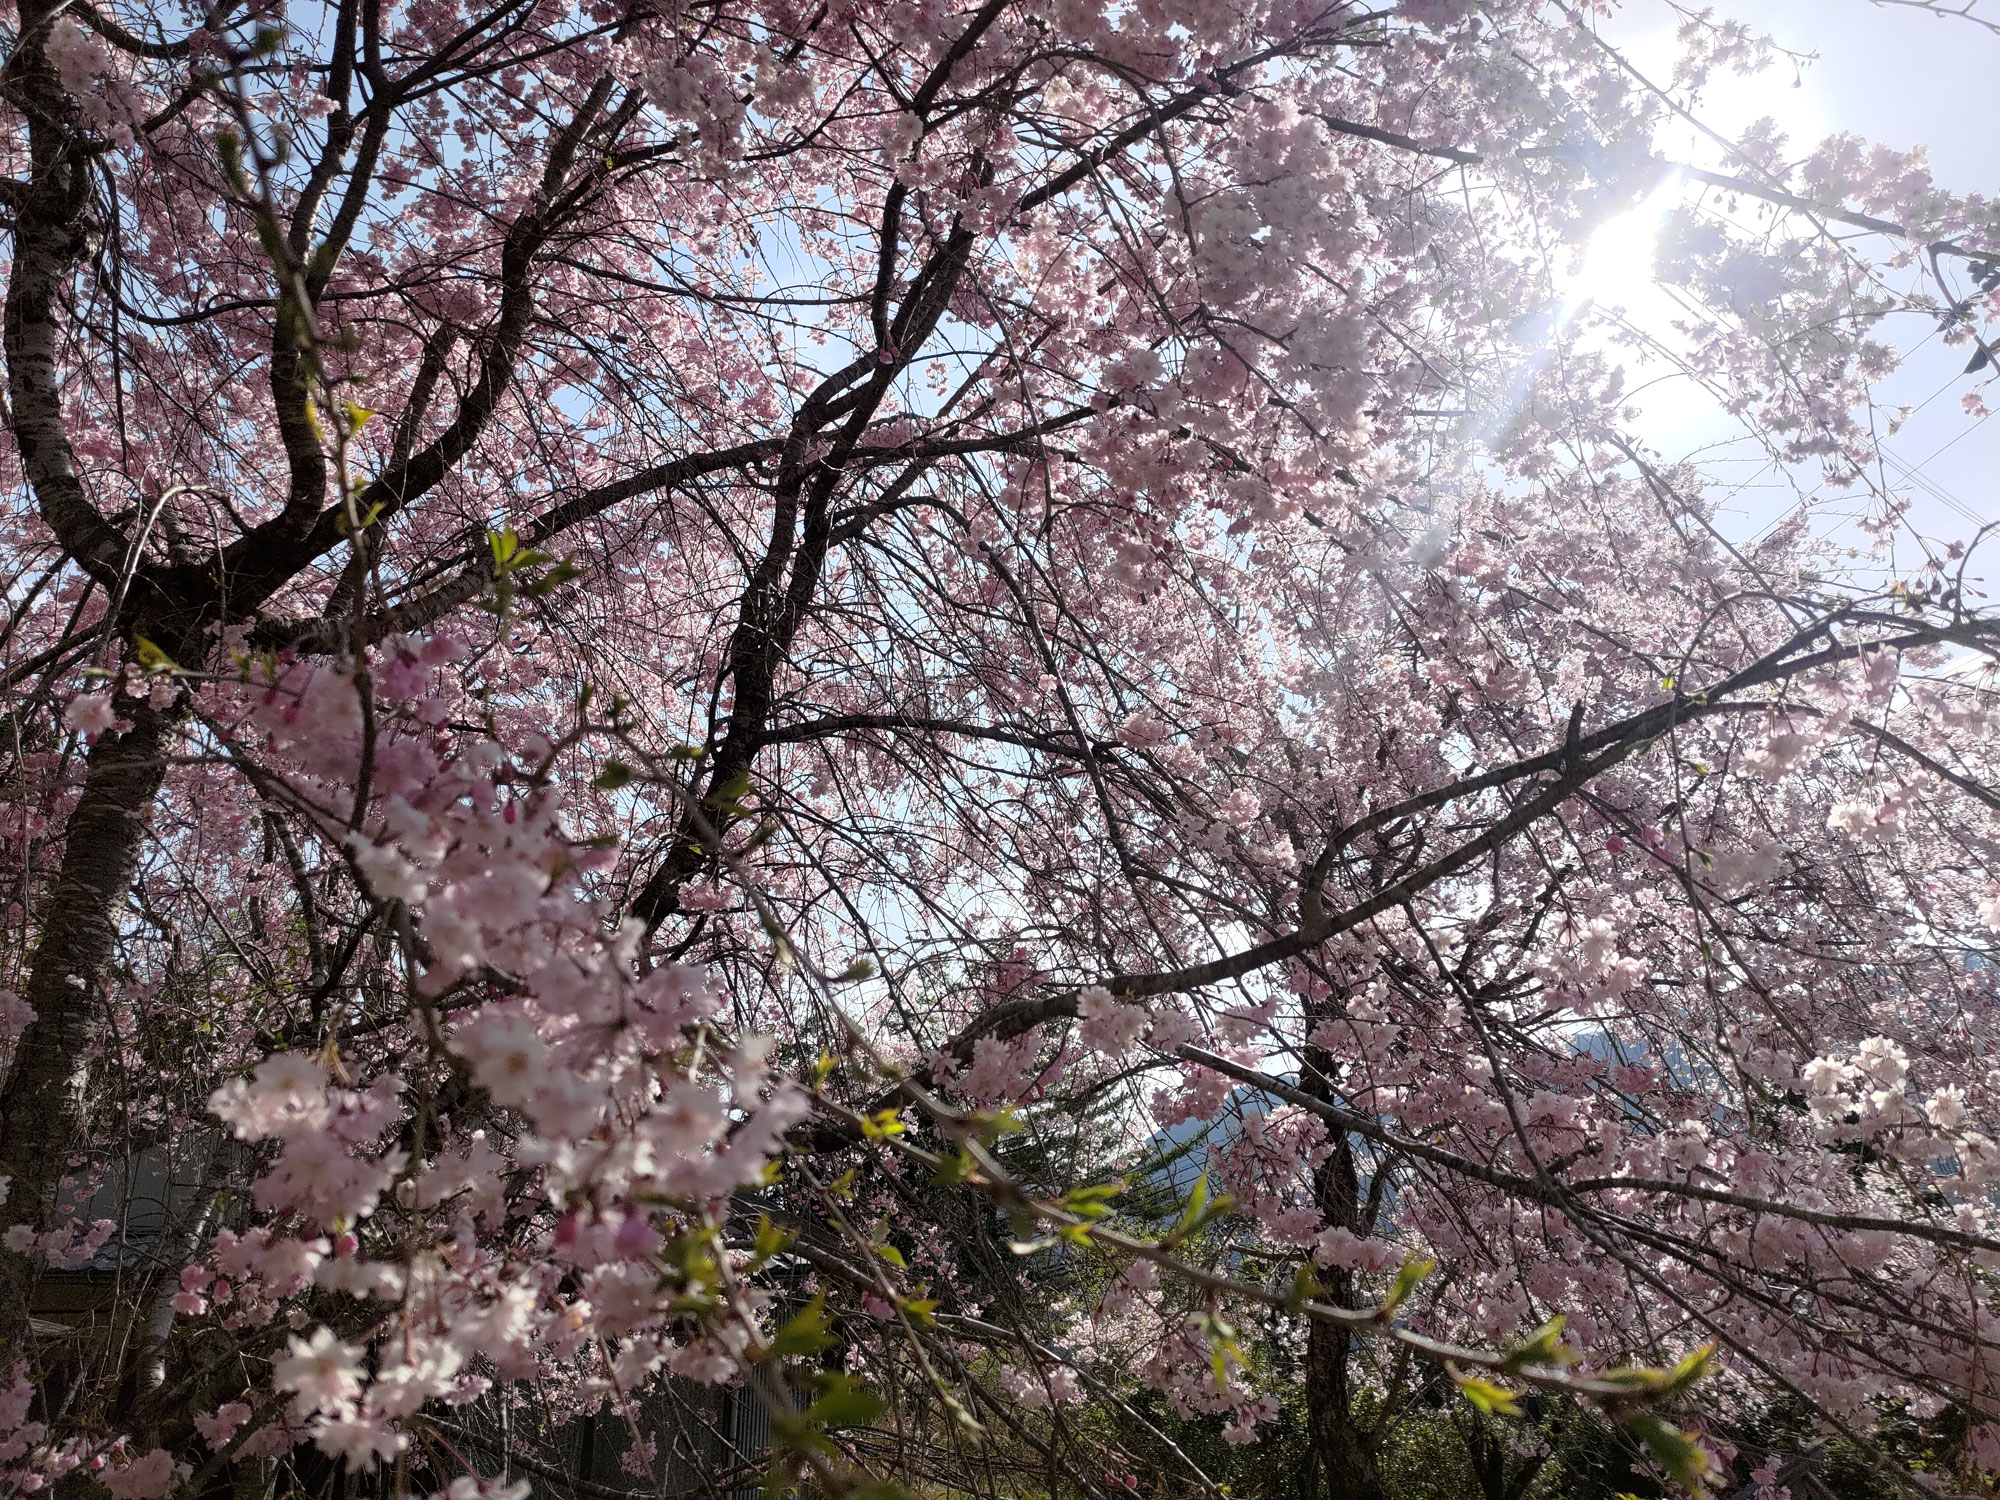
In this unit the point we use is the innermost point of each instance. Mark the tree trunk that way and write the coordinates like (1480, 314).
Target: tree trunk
(43, 1103)
(1347, 1452)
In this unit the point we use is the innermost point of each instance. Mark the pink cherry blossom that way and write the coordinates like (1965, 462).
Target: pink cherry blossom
(89, 713)
(999, 707)
(322, 1371)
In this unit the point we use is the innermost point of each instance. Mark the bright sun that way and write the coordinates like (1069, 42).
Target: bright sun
(1617, 261)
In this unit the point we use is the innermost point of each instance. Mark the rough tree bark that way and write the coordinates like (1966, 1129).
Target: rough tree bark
(46, 1093)
(41, 1103)
(1348, 1452)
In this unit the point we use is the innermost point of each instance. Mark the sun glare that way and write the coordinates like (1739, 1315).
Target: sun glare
(1617, 261)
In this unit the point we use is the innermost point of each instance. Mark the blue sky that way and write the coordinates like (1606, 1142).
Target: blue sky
(1892, 74)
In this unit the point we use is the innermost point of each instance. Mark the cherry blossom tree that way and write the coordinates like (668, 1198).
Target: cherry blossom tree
(986, 720)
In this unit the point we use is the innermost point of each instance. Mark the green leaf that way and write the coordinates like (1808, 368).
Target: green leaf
(1413, 1271)
(1197, 1200)
(151, 657)
(844, 1403)
(1640, 1379)
(771, 1240)
(1222, 1347)
(1199, 1213)
(362, 522)
(696, 1260)
(230, 149)
(1494, 1400)
(614, 775)
(883, 1123)
(805, 1332)
(1631, 1378)
(954, 1169)
(1688, 1371)
(1093, 1202)
(992, 1124)
(562, 573)
(1305, 1286)
(1543, 1347)
(1673, 1450)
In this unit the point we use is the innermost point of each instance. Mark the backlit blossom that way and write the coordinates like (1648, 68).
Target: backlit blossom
(88, 713)
(322, 1371)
